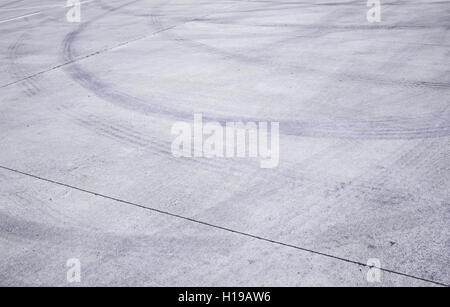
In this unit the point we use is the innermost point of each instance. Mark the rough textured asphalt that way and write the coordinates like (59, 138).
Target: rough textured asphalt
(87, 108)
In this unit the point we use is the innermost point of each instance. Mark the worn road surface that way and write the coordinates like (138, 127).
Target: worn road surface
(86, 169)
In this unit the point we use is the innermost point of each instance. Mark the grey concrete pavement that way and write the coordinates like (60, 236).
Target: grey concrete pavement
(364, 166)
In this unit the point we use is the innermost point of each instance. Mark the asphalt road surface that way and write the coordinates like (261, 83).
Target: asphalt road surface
(87, 172)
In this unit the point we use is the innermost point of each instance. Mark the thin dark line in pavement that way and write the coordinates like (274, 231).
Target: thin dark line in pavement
(218, 227)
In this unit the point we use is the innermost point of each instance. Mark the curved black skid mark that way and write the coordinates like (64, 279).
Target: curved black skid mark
(432, 126)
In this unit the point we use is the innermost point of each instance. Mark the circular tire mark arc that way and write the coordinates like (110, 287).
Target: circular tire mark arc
(370, 129)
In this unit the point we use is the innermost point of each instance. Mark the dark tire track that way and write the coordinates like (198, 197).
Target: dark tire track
(425, 126)
(17, 69)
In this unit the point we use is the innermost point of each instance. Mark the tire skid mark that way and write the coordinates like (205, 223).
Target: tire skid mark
(375, 189)
(287, 69)
(328, 128)
(107, 246)
(377, 129)
(318, 31)
(412, 164)
(121, 10)
(27, 200)
(17, 69)
(372, 184)
(11, 2)
(368, 184)
(127, 135)
(396, 190)
(294, 177)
